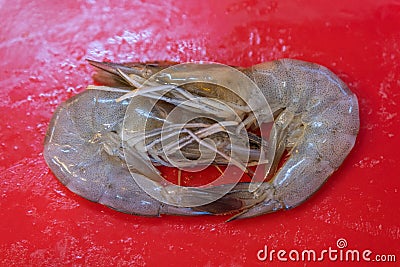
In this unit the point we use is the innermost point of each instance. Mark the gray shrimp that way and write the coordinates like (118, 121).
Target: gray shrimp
(316, 121)
(84, 149)
(80, 148)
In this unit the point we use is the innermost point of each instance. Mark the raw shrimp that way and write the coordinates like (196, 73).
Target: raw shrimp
(84, 148)
(316, 121)
(81, 151)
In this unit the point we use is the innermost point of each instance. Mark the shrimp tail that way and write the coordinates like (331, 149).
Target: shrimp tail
(240, 199)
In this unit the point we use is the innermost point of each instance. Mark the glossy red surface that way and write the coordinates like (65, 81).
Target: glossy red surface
(43, 46)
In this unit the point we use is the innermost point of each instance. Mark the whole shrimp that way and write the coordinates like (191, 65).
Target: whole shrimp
(84, 148)
(316, 121)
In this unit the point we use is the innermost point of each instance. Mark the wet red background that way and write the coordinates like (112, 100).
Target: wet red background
(43, 46)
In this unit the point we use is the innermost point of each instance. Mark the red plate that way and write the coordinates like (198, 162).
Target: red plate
(43, 46)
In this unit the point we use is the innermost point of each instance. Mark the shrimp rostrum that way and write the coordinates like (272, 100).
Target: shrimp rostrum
(105, 143)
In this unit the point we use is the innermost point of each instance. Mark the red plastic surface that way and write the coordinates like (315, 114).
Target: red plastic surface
(43, 46)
